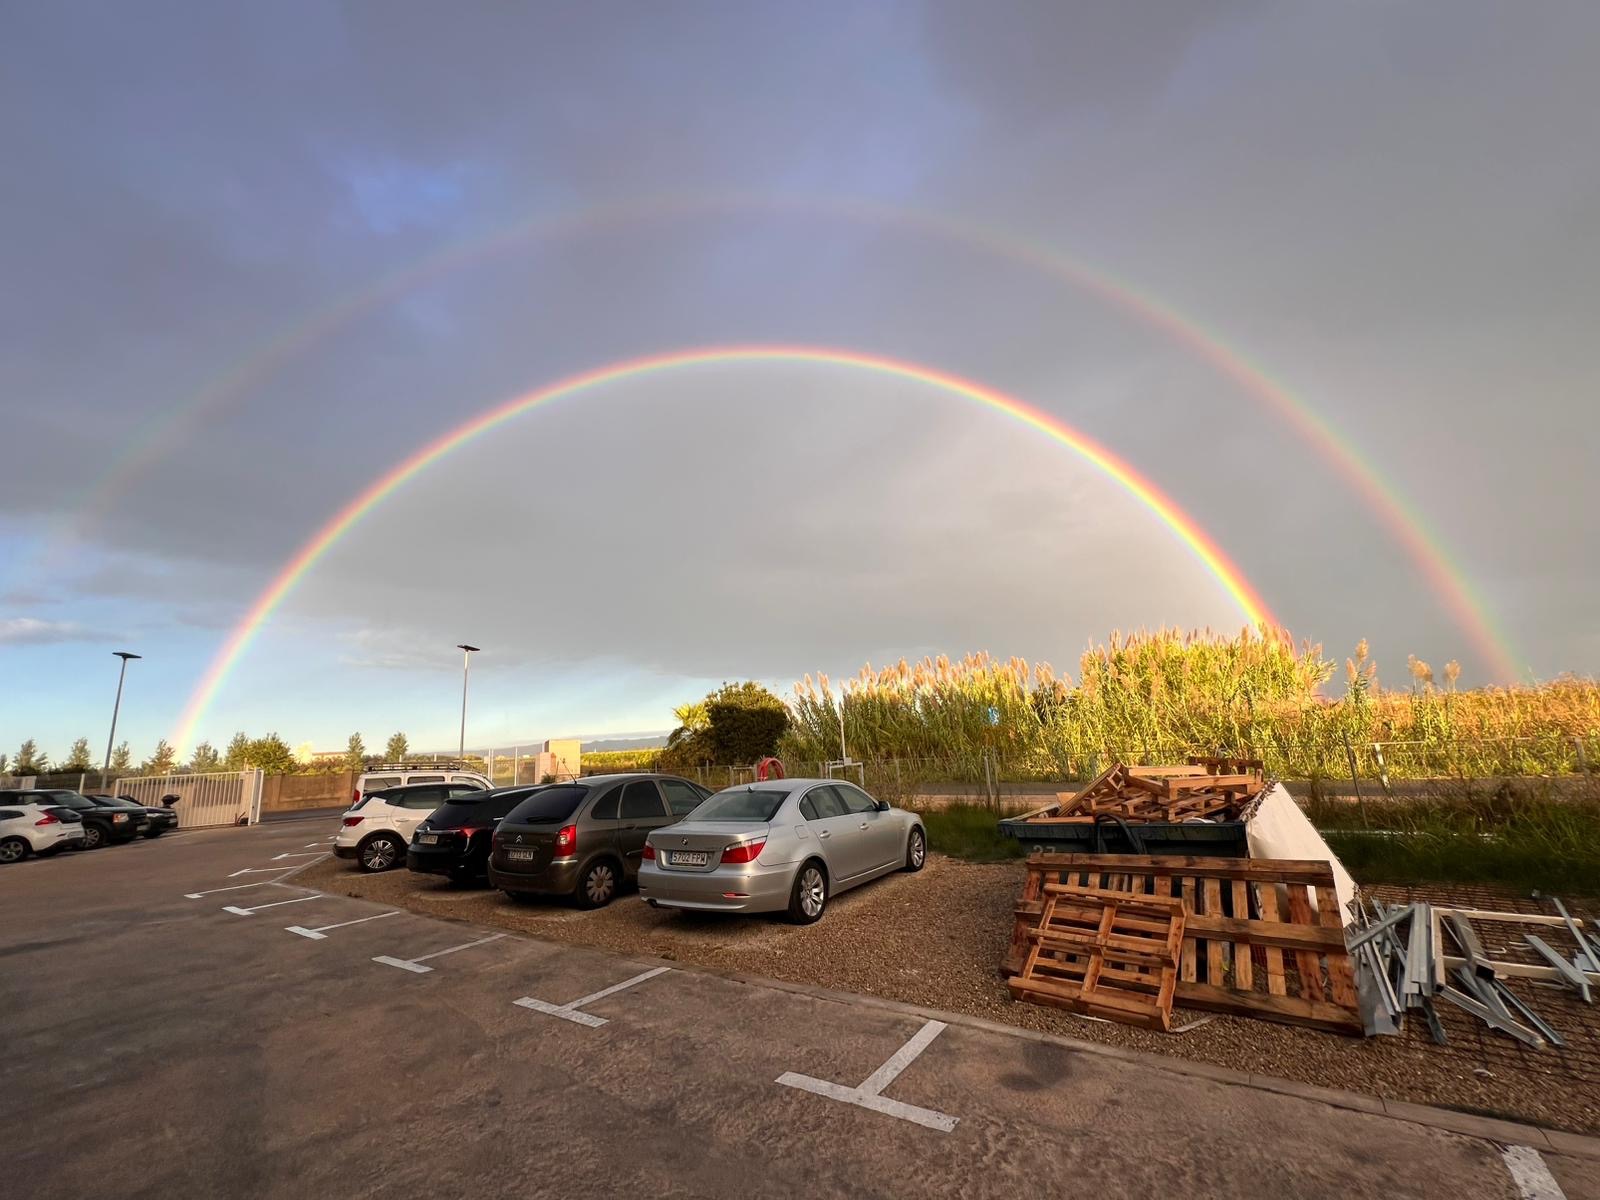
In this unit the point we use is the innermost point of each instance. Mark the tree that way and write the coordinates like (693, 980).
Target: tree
(395, 751)
(29, 760)
(78, 756)
(162, 761)
(2, 764)
(121, 758)
(746, 721)
(205, 758)
(238, 749)
(271, 754)
(355, 755)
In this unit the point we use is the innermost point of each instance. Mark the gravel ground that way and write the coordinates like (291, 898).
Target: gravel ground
(936, 939)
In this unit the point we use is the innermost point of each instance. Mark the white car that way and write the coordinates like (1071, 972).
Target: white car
(381, 779)
(34, 828)
(378, 827)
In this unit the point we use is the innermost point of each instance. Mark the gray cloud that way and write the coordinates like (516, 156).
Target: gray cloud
(36, 631)
(1395, 212)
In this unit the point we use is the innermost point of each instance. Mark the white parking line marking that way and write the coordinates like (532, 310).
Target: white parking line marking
(1529, 1173)
(250, 912)
(258, 871)
(236, 887)
(411, 964)
(320, 931)
(295, 854)
(867, 1095)
(569, 1012)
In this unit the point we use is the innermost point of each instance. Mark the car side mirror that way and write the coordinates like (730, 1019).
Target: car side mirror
(883, 806)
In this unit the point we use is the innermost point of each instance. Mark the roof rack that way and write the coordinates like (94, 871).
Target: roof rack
(433, 766)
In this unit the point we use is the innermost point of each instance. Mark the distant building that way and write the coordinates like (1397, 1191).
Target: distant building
(559, 759)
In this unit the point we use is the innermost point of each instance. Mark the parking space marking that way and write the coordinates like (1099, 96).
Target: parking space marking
(569, 1012)
(250, 912)
(413, 964)
(1529, 1173)
(236, 887)
(869, 1096)
(295, 854)
(321, 931)
(259, 871)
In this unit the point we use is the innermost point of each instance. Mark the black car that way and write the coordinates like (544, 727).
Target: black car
(156, 820)
(455, 839)
(101, 826)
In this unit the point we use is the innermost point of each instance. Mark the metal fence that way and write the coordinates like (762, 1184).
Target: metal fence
(202, 801)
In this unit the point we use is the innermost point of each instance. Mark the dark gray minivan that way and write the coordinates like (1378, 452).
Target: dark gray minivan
(583, 839)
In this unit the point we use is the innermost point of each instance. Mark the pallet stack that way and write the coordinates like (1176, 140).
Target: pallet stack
(1206, 789)
(1258, 937)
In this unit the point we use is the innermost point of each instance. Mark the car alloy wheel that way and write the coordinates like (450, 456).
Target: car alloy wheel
(13, 850)
(813, 892)
(919, 849)
(599, 884)
(92, 837)
(379, 854)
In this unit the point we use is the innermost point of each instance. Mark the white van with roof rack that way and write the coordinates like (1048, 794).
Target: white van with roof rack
(400, 774)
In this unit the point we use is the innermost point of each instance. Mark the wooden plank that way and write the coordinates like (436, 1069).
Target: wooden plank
(1188, 964)
(1243, 968)
(1317, 1014)
(1282, 870)
(1309, 964)
(1284, 935)
(1341, 973)
(1165, 772)
(1216, 948)
(1267, 897)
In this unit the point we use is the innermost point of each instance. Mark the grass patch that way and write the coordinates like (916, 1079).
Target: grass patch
(969, 831)
(1523, 841)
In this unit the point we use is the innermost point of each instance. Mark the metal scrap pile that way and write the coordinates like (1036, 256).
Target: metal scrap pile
(1410, 955)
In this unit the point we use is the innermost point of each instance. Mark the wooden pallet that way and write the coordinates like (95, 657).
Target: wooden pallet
(1262, 937)
(1144, 793)
(1105, 954)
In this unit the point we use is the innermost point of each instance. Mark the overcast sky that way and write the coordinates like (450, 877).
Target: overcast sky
(1393, 210)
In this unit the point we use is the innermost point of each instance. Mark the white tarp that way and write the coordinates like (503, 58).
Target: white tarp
(1280, 830)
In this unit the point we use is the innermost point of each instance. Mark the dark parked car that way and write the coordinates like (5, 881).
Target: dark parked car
(100, 825)
(157, 820)
(585, 838)
(455, 839)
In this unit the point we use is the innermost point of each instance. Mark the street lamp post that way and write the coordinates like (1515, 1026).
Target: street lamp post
(122, 674)
(466, 665)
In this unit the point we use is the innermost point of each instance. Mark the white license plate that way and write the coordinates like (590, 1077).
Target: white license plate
(520, 855)
(690, 858)
(428, 839)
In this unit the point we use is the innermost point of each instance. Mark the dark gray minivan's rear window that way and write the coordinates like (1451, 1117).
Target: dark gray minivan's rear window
(549, 804)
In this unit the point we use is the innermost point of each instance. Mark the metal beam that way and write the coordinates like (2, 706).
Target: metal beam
(1566, 970)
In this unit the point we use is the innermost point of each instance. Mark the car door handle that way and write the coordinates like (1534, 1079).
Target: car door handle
(822, 833)
(863, 825)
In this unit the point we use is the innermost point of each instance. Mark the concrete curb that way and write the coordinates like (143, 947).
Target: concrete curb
(1492, 1129)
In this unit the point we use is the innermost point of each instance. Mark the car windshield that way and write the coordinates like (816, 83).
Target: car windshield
(741, 804)
(115, 802)
(555, 803)
(71, 800)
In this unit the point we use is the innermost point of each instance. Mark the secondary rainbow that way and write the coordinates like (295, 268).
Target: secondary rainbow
(1199, 543)
(1404, 522)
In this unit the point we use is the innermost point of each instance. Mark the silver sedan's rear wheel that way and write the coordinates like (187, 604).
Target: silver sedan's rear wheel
(916, 850)
(809, 895)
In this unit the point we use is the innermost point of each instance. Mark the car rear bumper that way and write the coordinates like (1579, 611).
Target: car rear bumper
(437, 860)
(344, 851)
(751, 888)
(554, 879)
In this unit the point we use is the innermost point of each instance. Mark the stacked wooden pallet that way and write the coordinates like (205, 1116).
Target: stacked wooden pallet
(1105, 954)
(1260, 937)
(1206, 788)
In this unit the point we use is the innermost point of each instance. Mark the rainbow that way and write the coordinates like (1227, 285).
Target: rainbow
(1182, 526)
(1398, 516)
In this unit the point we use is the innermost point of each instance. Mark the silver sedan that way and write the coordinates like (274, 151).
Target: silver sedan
(781, 846)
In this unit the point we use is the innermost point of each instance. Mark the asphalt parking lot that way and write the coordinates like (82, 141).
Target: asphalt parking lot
(178, 1023)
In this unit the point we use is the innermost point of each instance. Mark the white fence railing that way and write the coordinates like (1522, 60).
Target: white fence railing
(224, 798)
